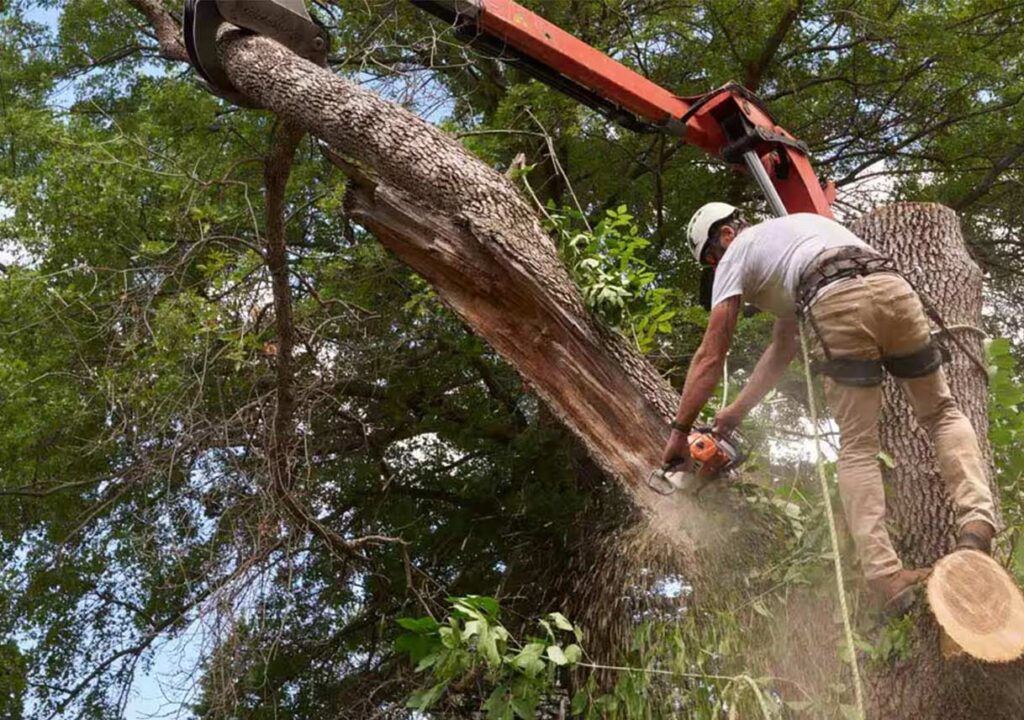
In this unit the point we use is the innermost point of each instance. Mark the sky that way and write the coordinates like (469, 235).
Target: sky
(6, 256)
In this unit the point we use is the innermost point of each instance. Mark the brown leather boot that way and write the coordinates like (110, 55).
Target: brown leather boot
(896, 593)
(976, 535)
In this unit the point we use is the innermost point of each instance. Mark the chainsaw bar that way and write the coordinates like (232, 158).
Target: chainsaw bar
(668, 482)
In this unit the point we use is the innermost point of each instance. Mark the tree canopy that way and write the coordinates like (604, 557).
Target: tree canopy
(139, 350)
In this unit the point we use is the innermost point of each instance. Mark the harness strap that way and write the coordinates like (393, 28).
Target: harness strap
(835, 264)
(848, 262)
(829, 266)
(851, 371)
(918, 364)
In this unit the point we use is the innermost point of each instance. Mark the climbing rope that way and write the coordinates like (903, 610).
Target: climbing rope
(725, 383)
(947, 330)
(819, 462)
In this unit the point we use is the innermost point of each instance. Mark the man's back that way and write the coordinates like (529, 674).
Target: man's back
(765, 261)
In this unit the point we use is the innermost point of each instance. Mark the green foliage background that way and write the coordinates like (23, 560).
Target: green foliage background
(137, 339)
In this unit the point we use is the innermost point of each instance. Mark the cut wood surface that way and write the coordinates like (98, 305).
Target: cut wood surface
(977, 603)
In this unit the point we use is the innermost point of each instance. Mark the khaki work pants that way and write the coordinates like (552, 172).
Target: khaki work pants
(875, 316)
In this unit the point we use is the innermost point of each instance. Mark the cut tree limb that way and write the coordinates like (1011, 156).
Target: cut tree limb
(465, 227)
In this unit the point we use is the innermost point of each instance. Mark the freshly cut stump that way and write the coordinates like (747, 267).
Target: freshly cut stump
(978, 605)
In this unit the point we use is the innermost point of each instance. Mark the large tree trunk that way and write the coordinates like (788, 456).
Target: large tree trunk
(926, 241)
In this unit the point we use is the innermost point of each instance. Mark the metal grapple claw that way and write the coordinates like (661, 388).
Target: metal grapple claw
(286, 21)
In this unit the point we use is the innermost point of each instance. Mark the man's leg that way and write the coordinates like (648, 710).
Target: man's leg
(845, 319)
(856, 411)
(904, 328)
(960, 462)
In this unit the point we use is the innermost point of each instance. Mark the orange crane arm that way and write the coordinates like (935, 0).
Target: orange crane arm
(730, 123)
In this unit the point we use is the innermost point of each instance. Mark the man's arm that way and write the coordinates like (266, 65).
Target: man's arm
(706, 367)
(767, 372)
(703, 375)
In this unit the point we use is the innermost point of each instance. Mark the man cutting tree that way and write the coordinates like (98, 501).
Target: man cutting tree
(866, 318)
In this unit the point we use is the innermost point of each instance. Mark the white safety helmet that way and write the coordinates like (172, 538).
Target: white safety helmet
(700, 225)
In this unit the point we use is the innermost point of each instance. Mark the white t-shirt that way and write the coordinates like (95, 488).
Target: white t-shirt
(764, 262)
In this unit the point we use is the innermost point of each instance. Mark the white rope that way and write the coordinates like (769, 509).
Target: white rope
(858, 690)
(963, 326)
(725, 383)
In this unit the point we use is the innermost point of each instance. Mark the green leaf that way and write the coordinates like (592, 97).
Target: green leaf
(528, 660)
(547, 628)
(556, 655)
(419, 625)
(416, 646)
(579, 702)
(525, 704)
(482, 603)
(560, 621)
(498, 705)
(573, 653)
(886, 459)
(425, 699)
(488, 644)
(427, 662)
(473, 627)
(450, 637)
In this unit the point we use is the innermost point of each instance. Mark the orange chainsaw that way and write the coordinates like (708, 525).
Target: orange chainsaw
(713, 455)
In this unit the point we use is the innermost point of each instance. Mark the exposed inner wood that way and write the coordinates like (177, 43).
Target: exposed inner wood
(468, 231)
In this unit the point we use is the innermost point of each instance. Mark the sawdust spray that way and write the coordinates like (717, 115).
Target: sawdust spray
(642, 573)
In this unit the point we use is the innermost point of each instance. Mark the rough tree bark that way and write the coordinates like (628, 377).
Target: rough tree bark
(926, 241)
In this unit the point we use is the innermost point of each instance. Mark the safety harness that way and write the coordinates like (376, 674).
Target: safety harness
(833, 265)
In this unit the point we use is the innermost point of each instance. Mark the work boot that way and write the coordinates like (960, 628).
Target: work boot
(896, 592)
(976, 535)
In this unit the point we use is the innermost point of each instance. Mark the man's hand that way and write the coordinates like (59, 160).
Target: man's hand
(677, 451)
(728, 419)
